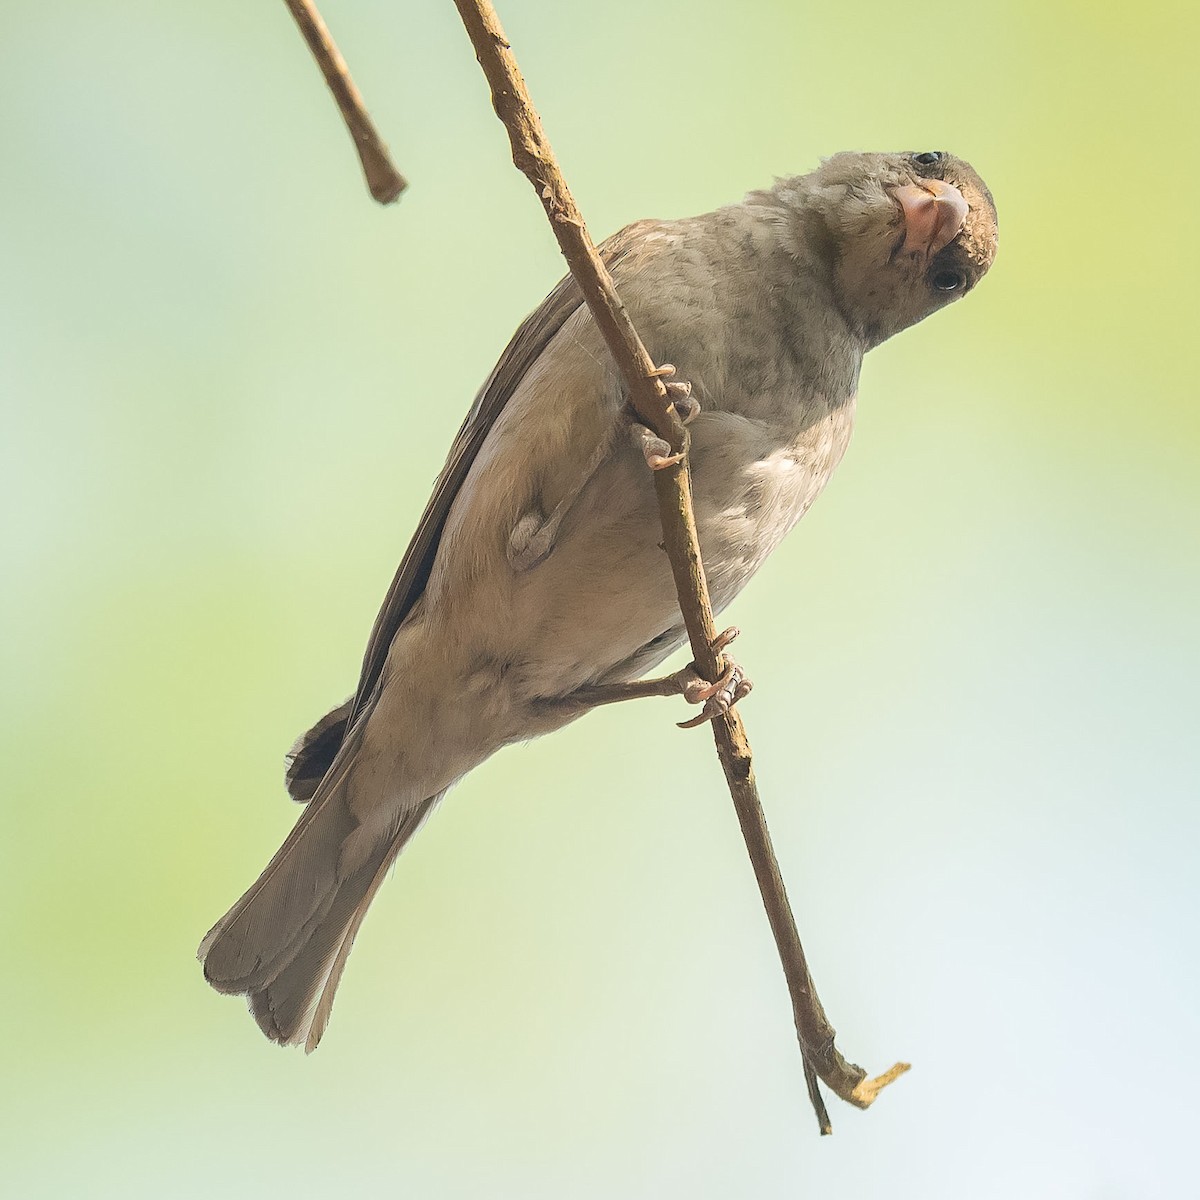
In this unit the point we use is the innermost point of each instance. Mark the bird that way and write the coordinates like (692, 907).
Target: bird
(535, 586)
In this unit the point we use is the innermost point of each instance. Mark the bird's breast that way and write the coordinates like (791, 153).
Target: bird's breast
(754, 479)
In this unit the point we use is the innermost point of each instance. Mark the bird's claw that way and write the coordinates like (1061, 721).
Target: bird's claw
(719, 697)
(659, 456)
(724, 638)
(655, 450)
(679, 392)
(686, 406)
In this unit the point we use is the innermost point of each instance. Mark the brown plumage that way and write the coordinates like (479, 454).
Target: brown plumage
(535, 576)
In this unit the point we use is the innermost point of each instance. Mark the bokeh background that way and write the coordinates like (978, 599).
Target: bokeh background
(228, 380)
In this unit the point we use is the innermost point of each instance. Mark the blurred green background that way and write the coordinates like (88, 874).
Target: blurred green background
(228, 380)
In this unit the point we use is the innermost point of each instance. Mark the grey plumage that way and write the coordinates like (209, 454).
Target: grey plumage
(536, 573)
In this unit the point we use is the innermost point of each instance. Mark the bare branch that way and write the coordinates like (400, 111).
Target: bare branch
(648, 396)
(383, 180)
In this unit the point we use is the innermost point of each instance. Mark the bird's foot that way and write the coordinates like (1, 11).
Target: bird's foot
(655, 450)
(719, 697)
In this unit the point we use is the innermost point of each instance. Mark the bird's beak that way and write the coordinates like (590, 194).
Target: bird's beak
(934, 212)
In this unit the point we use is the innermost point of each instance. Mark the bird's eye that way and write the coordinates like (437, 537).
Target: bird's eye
(948, 281)
(930, 158)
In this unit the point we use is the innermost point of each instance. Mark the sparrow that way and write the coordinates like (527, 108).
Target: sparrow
(535, 586)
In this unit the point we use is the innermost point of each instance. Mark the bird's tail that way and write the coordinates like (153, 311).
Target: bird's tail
(285, 943)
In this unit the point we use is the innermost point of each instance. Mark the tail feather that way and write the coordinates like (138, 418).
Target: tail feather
(284, 943)
(284, 1003)
(264, 930)
(295, 1006)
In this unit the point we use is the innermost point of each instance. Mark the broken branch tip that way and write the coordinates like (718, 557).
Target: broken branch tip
(866, 1092)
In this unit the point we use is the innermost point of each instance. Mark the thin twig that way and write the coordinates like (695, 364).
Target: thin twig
(648, 396)
(383, 180)
(824, 1124)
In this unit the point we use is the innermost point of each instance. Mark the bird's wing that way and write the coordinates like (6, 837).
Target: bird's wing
(314, 752)
(519, 355)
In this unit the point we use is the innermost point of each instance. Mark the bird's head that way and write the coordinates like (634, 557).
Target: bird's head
(901, 234)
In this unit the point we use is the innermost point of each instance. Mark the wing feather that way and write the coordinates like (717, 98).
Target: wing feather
(531, 338)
